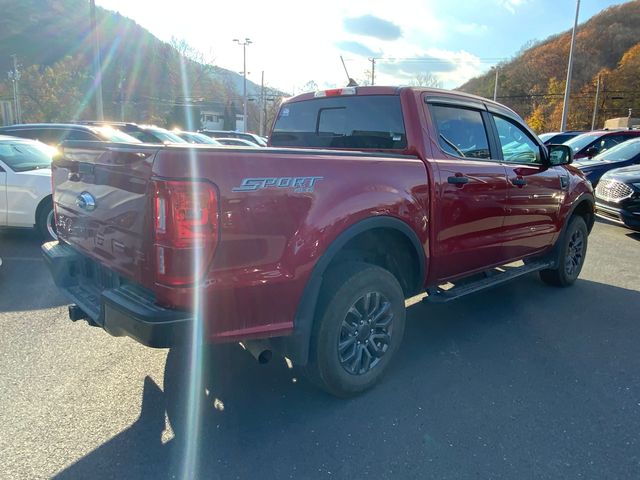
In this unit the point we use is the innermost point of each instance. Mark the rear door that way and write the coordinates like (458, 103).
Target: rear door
(535, 190)
(471, 189)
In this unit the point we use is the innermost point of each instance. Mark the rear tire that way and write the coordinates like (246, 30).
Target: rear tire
(358, 329)
(571, 255)
(45, 220)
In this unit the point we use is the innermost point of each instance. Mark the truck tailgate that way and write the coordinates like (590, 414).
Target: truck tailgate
(101, 202)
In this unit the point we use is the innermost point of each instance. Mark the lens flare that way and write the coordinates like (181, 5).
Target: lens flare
(196, 351)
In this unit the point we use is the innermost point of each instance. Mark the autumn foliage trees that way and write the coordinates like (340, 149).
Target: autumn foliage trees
(533, 82)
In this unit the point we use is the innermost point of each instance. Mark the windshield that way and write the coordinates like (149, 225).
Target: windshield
(620, 153)
(112, 135)
(166, 136)
(194, 137)
(546, 136)
(354, 122)
(581, 141)
(23, 156)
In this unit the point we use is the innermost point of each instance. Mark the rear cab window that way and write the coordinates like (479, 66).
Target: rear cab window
(351, 122)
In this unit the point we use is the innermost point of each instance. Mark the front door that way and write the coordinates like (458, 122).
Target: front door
(471, 190)
(535, 191)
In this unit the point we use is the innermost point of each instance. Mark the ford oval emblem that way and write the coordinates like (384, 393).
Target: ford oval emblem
(86, 201)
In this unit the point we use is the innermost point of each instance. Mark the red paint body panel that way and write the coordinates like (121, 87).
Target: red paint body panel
(270, 239)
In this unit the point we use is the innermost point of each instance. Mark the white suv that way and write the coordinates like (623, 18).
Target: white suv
(25, 185)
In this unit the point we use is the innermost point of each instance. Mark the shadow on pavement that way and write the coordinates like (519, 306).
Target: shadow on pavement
(634, 235)
(25, 282)
(524, 381)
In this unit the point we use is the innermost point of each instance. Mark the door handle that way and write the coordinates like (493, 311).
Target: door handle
(458, 180)
(519, 181)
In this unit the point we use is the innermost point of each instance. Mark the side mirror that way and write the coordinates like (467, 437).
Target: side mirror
(592, 151)
(560, 155)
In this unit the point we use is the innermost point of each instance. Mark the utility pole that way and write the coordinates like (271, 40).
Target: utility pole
(244, 44)
(97, 62)
(373, 70)
(15, 78)
(495, 86)
(262, 105)
(121, 90)
(567, 88)
(595, 105)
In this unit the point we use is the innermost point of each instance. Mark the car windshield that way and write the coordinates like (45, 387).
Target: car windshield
(112, 135)
(620, 153)
(24, 156)
(546, 136)
(165, 136)
(194, 137)
(581, 141)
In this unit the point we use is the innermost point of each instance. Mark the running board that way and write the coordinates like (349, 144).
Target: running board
(492, 278)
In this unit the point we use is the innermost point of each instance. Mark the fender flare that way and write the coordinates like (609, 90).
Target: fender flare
(583, 197)
(296, 346)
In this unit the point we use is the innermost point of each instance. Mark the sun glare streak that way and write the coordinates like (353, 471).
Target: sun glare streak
(195, 374)
(89, 95)
(135, 69)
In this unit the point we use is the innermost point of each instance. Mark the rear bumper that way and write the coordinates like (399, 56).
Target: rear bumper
(119, 307)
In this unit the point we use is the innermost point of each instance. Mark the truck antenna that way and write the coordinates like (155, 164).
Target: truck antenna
(352, 82)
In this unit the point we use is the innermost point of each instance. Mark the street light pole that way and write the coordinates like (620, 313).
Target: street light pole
(244, 44)
(15, 77)
(567, 88)
(97, 62)
(495, 86)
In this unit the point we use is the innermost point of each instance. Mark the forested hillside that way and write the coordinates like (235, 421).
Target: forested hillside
(143, 78)
(533, 83)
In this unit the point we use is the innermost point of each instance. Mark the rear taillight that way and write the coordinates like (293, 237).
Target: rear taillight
(185, 230)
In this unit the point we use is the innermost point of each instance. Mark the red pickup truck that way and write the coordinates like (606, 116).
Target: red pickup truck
(308, 249)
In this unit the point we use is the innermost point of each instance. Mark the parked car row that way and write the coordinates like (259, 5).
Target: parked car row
(610, 160)
(26, 152)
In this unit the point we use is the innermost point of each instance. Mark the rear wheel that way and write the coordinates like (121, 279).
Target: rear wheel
(571, 255)
(358, 329)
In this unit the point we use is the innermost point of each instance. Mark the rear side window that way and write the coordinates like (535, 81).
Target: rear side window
(79, 135)
(461, 131)
(357, 122)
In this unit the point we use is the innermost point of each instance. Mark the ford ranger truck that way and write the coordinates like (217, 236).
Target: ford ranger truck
(308, 249)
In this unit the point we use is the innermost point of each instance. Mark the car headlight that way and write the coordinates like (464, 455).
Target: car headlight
(636, 186)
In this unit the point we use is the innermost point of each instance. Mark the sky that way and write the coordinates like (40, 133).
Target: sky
(295, 42)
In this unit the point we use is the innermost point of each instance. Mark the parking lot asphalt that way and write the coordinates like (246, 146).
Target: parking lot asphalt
(523, 381)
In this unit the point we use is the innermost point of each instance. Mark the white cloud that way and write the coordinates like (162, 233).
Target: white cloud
(470, 28)
(511, 5)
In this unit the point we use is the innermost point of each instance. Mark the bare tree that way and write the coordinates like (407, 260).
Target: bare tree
(426, 79)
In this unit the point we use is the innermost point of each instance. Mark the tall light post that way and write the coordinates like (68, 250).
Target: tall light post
(244, 44)
(567, 88)
(97, 62)
(14, 76)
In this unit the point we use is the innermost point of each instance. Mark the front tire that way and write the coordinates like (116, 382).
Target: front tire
(358, 328)
(571, 255)
(45, 221)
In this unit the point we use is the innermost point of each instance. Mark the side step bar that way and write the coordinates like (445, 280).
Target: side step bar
(492, 278)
